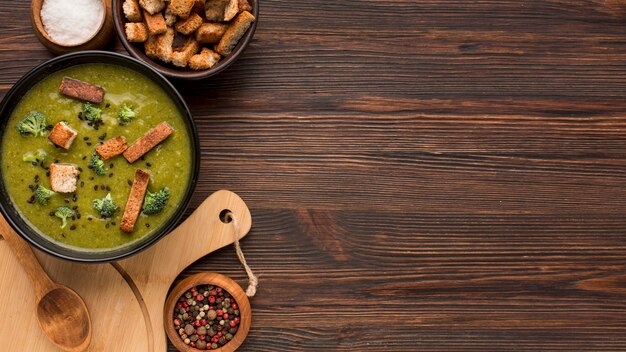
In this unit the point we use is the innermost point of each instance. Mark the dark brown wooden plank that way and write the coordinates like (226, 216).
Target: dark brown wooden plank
(423, 175)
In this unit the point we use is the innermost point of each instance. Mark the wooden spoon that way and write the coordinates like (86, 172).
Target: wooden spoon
(61, 312)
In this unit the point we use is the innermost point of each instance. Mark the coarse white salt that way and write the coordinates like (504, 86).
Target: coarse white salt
(72, 22)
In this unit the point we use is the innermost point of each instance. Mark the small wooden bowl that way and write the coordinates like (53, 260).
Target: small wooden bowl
(97, 41)
(170, 71)
(208, 279)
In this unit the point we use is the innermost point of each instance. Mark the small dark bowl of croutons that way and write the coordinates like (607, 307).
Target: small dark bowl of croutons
(186, 39)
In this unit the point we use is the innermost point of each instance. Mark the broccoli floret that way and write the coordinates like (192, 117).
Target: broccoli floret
(126, 113)
(97, 165)
(155, 202)
(92, 113)
(105, 206)
(34, 123)
(42, 194)
(35, 158)
(63, 213)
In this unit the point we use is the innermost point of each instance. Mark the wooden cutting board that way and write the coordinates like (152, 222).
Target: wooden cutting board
(125, 298)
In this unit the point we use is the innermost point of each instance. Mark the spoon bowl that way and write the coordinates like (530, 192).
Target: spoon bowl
(64, 318)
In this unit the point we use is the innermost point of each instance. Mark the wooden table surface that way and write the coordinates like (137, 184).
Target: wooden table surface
(434, 175)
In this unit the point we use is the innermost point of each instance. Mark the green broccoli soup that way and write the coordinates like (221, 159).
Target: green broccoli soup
(90, 216)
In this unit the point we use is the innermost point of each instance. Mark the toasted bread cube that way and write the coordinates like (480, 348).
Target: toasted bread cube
(132, 11)
(189, 25)
(136, 32)
(214, 10)
(81, 90)
(150, 46)
(62, 135)
(63, 177)
(155, 23)
(135, 201)
(170, 17)
(182, 8)
(152, 6)
(112, 148)
(148, 141)
(205, 60)
(164, 45)
(211, 33)
(231, 10)
(233, 34)
(244, 5)
(181, 58)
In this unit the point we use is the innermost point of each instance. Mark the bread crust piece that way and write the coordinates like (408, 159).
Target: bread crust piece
(181, 58)
(170, 17)
(189, 25)
(164, 45)
(81, 90)
(214, 10)
(136, 32)
(205, 60)
(211, 33)
(231, 10)
(244, 5)
(132, 11)
(148, 141)
(233, 34)
(152, 6)
(150, 46)
(63, 177)
(155, 23)
(112, 148)
(62, 135)
(135, 201)
(181, 8)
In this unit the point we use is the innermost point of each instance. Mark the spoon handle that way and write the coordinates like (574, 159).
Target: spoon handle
(24, 254)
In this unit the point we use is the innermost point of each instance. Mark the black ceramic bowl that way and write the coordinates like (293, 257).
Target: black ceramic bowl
(170, 71)
(24, 85)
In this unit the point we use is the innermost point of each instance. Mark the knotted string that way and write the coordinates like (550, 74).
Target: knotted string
(253, 281)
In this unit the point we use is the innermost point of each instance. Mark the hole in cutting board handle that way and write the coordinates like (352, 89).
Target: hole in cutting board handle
(223, 217)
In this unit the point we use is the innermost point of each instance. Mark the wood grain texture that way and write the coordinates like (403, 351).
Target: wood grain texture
(423, 175)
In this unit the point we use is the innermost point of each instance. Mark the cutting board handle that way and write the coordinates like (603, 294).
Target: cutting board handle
(203, 232)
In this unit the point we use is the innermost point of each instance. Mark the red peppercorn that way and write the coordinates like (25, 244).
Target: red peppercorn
(211, 307)
(197, 323)
(203, 322)
(185, 304)
(213, 292)
(232, 324)
(234, 306)
(199, 298)
(211, 299)
(219, 289)
(225, 315)
(219, 333)
(177, 322)
(219, 312)
(193, 344)
(187, 309)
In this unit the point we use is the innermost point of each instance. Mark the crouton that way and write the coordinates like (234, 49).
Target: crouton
(244, 5)
(150, 46)
(233, 34)
(112, 148)
(135, 201)
(136, 32)
(132, 11)
(148, 141)
(205, 60)
(62, 135)
(152, 6)
(170, 17)
(231, 10)
(63, 177)
(189, 25)
(214, 10)
(164, 45)
(198, 7)
(181, 58)
(80, 90)
(155, 23)
(182, 8)
(211, 33)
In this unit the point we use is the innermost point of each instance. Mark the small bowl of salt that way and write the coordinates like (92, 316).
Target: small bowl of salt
(64, 26)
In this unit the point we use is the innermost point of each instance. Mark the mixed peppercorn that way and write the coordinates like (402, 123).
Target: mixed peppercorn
(206, 317)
